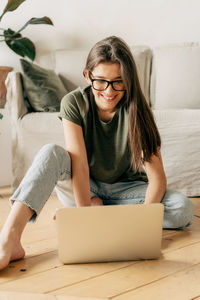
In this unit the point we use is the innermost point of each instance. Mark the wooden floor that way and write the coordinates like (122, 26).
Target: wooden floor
(40, 276)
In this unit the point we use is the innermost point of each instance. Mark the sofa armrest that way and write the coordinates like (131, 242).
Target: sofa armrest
(15, 99)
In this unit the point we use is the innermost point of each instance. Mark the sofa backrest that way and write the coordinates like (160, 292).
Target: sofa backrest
(69, 64)
(175, 78)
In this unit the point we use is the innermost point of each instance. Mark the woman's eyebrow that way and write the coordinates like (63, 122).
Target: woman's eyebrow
(102, 77)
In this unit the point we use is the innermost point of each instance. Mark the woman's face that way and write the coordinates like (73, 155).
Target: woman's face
(107, 99)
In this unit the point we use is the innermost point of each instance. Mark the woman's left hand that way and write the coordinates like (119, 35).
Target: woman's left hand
(157, 179)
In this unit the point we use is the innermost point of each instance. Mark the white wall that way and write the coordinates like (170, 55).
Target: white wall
(79, 24)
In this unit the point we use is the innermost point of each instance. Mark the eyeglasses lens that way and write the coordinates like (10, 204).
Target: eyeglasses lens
(102, 85)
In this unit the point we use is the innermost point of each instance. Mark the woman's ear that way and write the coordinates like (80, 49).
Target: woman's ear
(86, 75)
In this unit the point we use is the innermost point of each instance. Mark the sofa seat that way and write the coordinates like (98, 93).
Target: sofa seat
(42, 128)
(180, 135)
(41, 123)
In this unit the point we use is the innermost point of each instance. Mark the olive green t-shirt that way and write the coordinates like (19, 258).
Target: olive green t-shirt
(106, 142)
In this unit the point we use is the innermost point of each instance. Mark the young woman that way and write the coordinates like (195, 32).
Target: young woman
(110, 135)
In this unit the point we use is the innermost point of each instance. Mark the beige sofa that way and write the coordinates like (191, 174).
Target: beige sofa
(169, 77)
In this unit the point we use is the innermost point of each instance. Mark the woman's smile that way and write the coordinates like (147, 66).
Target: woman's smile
(109, 98)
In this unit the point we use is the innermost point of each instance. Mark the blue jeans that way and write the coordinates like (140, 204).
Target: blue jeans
(52, 167)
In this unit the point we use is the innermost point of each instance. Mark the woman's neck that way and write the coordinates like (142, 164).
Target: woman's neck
(105, 116)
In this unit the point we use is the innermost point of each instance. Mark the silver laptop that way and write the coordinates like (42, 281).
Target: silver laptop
(109, 233)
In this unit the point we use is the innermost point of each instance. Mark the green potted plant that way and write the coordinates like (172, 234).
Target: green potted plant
(13, 39)
(16, 42)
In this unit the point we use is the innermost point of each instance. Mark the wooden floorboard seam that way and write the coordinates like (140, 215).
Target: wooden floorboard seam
(92, 277)
(48, 252)
(46, 270)
(197, 297)
(34, 256)
(181, 247)
(154, 281)
(129, 290)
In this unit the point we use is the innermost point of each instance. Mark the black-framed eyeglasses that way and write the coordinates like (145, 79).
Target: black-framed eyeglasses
(102, 85)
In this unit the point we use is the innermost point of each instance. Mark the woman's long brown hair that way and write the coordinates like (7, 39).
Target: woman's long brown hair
(144, 138)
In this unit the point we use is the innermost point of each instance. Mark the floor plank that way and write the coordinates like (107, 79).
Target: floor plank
(57, 278)
(26, 267)
(64, 297)
(182, 285)
(5, 295)
(181, 238)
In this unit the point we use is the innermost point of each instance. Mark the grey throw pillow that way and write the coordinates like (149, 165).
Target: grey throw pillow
(43, 88)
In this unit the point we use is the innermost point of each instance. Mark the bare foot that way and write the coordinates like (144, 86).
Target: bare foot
(10, 249)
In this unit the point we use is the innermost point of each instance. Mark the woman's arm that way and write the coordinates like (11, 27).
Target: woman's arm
(75, 146)
(157, 179)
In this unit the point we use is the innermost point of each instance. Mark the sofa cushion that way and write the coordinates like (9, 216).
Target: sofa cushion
(43, 87)
(71, 63)
(175, 81)
(143, 58)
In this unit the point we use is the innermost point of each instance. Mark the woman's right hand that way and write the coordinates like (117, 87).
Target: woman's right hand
(96, 201)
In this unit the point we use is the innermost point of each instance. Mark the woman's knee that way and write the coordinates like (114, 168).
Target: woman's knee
(55, 157)
(187, 211)
(49, 149)
(53, 151)
(180, 208)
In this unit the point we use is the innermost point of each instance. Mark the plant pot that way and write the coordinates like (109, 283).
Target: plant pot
(3, 74)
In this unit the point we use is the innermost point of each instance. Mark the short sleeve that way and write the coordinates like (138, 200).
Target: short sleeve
(69, 109)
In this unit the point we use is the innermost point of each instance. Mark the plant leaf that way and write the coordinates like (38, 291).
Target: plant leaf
(34, 21)
(10, 34)
(1, 116)
(43, 20)
(20, 45)
(12, 5)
